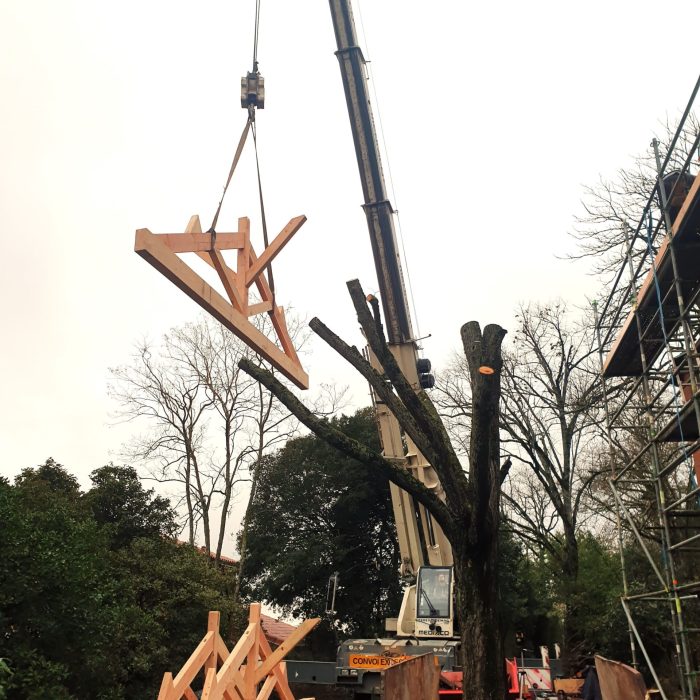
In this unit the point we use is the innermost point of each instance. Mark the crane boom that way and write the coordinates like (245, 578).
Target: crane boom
(425, 552)
(378, 209)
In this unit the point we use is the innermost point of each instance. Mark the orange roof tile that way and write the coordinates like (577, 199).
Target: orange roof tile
(228, 561)
(276, 630)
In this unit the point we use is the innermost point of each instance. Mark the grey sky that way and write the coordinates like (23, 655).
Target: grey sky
(117, 116)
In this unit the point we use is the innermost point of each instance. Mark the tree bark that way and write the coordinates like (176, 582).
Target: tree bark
(228, 486)
(188, 499)
(572, 652)
(483, 669)
(323, 429)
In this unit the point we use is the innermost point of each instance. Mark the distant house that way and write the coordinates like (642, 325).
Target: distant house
(276, 631)
(226, 561)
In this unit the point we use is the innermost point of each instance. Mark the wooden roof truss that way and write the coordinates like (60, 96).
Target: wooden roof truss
(161, 250)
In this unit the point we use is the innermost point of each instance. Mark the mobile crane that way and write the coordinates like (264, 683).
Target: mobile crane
(426, 619)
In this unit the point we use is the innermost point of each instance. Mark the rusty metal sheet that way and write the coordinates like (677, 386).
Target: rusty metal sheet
(417, 678)
(619, 681)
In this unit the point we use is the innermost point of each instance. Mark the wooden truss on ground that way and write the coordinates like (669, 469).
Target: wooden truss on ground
(251, 671)
(161, 250)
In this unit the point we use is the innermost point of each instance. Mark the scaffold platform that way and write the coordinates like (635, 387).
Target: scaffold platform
(656, 306)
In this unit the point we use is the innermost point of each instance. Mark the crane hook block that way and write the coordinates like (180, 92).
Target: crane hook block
(253, 91)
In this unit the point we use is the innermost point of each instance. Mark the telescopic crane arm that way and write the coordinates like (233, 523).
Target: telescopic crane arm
(421, 541)
(378, 209)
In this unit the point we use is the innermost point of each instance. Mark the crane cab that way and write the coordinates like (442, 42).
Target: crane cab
(427, 610)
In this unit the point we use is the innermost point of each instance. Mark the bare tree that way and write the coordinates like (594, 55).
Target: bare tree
(211, 354)
(551, 415)
(173, 404)
(613, 202)
(208, 423)
(469, 516)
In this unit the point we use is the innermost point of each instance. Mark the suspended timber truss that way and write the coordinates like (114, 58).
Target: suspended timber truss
(161, 250)
(649, 332)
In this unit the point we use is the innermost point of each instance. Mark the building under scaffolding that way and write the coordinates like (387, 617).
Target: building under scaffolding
(649, 332)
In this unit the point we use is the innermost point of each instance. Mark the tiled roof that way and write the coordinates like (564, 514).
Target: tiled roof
(224, 560)
(275, 630)
(228, 561)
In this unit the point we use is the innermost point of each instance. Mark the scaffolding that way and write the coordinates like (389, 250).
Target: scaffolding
(649, 338)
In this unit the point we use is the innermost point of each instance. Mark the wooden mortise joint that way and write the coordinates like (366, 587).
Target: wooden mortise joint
(161, 251)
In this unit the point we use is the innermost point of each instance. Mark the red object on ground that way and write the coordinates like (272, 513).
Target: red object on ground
(451, 679)
(512, 672)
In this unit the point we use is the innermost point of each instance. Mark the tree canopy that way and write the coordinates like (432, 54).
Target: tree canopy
(96, 599)
(317, 512)
(201, 421)
(119, 503)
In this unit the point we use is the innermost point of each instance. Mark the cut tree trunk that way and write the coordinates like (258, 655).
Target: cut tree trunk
(476, 559)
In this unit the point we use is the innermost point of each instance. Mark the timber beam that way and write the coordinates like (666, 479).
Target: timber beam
(161, 251)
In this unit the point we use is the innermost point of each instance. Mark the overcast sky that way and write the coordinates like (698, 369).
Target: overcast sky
(122, 115)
